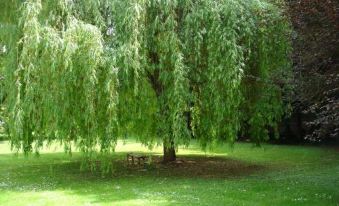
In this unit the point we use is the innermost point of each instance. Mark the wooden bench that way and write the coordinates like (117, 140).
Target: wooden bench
(132, 158)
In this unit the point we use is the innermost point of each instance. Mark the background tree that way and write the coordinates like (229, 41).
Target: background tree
(165, 71)
(315, 116)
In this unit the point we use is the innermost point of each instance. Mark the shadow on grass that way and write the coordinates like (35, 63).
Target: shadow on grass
(161, 183)
(192, 166)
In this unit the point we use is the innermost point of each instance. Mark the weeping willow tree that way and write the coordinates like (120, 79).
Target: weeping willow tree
(85, 73)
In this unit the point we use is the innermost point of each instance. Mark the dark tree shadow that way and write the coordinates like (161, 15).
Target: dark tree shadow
(191, 166)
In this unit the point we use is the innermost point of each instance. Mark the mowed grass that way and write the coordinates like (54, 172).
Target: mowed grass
(243, 175)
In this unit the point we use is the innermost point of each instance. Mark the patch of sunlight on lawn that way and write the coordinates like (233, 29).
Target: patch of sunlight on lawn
(41, 198)
(56, 198)
(139, 202)
(123, 146)
(5, 147)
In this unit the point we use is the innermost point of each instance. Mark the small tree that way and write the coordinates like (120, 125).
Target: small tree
(163, 71)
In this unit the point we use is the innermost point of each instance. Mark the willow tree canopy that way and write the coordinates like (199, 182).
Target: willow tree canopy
(88, 72)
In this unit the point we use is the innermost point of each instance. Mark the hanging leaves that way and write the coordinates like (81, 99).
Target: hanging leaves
(159, 70)
(64, 86)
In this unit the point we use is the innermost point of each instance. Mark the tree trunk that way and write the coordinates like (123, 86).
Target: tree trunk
(169, 153)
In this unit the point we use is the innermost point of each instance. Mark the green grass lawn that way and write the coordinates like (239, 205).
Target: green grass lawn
(271, 175)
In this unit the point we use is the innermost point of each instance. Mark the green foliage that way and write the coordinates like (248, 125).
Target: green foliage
(180, 68)
(197, 57)
(267, 74)
(63, 86)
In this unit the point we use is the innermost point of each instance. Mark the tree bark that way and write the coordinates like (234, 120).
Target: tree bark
(169, 153)
(154, 79)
